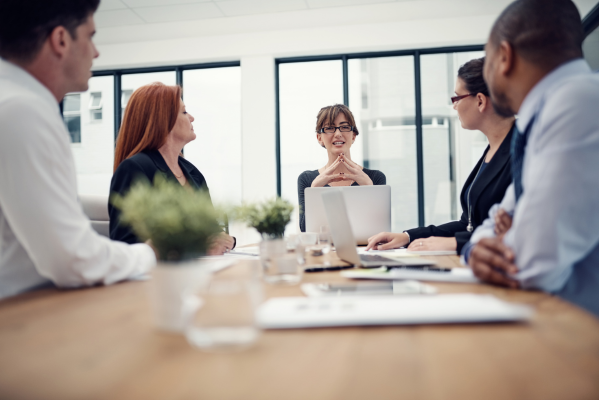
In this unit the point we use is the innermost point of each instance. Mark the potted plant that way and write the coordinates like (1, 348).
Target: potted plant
(179, 224)
(270, 219)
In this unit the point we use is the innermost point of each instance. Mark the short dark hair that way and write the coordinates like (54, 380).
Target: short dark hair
(327, 116)
(543, 32)
(26, 24)
(471, 74)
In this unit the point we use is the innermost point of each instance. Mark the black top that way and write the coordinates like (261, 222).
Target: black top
(144, 165)
(466, 191)
(307, 177)
(488, 189)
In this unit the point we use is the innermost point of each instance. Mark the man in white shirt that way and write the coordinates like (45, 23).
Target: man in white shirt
(46, 51)
(534, 68)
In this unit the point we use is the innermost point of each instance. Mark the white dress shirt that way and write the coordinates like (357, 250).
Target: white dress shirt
(555, 223)
(44, 234)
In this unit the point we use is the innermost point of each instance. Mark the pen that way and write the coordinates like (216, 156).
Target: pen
(332, 268)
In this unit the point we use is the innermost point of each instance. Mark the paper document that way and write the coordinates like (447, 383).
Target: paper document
(370, 288)
(458, 275)
(304, 312)
(217, 263)
(392, 253)
(246, 251)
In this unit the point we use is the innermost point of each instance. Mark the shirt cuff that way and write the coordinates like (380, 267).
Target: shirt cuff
(408, 236)
(466, 253)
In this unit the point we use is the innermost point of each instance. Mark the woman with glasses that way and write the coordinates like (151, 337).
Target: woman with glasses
(155, 128)
(486, 184)
(336, 131)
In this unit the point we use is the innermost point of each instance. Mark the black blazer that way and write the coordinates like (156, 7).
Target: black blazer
(487, 190)
(144, 165)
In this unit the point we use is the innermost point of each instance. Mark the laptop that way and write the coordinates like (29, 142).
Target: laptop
(345, 243)
(369, 209)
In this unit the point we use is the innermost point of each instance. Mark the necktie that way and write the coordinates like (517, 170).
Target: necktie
(517, 153)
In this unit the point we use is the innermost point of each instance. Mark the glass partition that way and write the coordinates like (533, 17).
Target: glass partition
(90, 120)
(213, 97)
(304, 88)
(382, 97)
(449, 151)
(130, 82)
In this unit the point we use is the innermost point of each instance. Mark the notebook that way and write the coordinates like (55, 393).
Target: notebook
(303, 312)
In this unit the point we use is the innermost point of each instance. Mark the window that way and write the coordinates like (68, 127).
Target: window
(95, 107)
(130, 82)
(304, 88)
(72, 116)
(125, 95)
(94, 153)
(382, 99)
(413, 137)
(449, 151)
(213, 97)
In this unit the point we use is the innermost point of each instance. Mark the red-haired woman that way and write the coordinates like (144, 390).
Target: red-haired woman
(155, 128)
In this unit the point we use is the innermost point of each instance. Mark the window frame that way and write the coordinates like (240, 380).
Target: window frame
(178, 69)
(416, 53)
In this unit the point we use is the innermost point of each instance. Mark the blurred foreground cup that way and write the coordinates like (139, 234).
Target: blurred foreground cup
(221, 316)
(169, 282)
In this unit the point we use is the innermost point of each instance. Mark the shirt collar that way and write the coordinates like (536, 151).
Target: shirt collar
(534, 100)
(17, 74)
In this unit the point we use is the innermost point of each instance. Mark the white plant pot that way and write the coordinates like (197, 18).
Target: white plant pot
(169, 282)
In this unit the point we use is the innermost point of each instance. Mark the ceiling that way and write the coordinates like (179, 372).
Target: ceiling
(115, 13)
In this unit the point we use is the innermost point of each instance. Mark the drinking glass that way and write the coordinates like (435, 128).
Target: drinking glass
(221, 315)
(324, 239)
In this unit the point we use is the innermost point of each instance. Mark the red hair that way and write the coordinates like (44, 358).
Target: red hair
(150, 115)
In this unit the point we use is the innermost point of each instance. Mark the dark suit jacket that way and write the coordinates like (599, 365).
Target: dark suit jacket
(144, 165)
(488, 189)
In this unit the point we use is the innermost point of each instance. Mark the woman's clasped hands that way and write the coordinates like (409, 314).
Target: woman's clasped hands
(352, 172)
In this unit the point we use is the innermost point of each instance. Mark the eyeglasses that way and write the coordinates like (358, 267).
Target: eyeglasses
(332, 129)
(454, 99)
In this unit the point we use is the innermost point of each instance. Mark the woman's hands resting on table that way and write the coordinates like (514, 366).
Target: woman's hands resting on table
(433, 243)
(221, 244)
(354, 173)
(388, 240)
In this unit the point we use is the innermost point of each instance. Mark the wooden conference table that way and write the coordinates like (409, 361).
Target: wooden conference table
(99, 343)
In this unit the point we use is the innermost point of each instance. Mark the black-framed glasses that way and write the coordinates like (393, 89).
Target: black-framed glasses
(454, 99)
(332, 129)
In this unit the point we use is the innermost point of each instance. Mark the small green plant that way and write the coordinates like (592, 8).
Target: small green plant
(269, 218)
(179, 221)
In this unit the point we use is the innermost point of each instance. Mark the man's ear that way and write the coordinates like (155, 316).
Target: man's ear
(506, 58)
(59, 41)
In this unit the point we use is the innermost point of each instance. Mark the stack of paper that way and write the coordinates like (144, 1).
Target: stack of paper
(397, 253)
(303, 312)
(457, 275)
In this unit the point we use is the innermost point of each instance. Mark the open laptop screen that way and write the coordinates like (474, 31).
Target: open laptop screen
(369, 209)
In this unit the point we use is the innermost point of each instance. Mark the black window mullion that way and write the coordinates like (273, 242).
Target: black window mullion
(179, 76)
(419, 133)
(277, 132)
(117, 101)
(345, 79)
